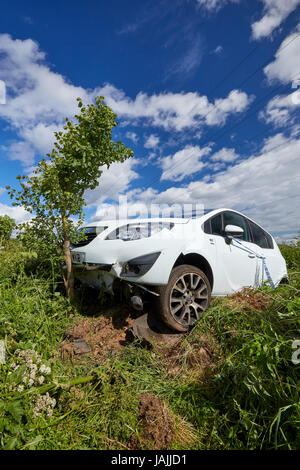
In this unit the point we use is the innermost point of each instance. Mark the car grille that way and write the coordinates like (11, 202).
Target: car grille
(89, 237)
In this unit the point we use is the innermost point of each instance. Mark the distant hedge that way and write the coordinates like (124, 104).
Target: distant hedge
(291, 255)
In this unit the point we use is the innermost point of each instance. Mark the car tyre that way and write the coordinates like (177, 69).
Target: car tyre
(183, 300)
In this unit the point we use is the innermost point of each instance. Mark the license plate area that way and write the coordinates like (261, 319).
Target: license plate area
(78, 258)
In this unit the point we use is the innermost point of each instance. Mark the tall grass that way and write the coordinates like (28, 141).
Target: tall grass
(247, 399)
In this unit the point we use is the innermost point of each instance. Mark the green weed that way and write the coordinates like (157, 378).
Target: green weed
(246, 396)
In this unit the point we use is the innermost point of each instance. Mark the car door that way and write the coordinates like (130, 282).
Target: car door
(237, 266)
(263, 244)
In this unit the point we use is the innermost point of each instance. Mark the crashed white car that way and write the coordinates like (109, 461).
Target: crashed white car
(183, 262)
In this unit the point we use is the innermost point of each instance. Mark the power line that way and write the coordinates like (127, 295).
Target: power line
(269, 150)
(233, 70)
(291, 179)
(238, 123)
(259, 68)
(262, 99)
(259, 134)
(244, 81)
(274, 201)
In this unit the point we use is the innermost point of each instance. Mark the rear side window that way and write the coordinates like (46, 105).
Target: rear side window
(260, 237)
(231, 218)
(207, 227)
(216, 225)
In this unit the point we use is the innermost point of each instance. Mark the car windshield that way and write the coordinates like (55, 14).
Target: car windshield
(92, 230)
(138, 230)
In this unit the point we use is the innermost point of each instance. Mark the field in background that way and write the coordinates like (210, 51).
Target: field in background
(229, 384)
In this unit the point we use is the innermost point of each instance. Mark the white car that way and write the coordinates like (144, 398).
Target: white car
(183, 262)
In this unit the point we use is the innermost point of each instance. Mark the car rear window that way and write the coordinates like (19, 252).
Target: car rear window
(260, 237)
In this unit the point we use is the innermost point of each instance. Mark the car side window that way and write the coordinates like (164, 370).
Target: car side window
(207, 227)
(231, 218)
(216, 225)
(259, 236)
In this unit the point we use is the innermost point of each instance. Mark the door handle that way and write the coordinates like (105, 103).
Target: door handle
(251, 256)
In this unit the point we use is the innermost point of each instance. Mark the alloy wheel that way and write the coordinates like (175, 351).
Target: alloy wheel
(189, 298)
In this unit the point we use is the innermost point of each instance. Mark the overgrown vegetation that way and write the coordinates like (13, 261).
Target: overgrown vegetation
(54, 193)
(230, 384)
(7, 224)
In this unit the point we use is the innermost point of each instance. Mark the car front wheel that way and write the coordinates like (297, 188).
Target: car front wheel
(184, 299)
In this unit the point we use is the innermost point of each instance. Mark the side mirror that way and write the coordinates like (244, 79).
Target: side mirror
(232, 231)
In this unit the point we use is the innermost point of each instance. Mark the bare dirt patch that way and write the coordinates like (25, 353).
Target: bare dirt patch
(158, 424)
(248, 299)
(105, 334)
(195, 357)
(109, 333)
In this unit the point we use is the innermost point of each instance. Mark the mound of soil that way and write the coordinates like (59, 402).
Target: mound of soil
(104, 334)
(108, 334)
(249, 299)
(158, 424)
(198, 357)
(202, 355)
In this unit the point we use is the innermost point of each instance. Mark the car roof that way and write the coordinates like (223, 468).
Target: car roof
(119, 222)
(176, 220)
(114, 223)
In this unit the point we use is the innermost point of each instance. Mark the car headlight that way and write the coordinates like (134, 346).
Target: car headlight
(136, 231)
(139, 266)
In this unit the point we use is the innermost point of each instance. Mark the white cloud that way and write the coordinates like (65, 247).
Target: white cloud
(151, 142)
(183, 163)
(41, 136)
(38, 99)
(218, 50)
(224, 155)
(276, 140)
(132, 136)
(114, 180)
(187, 62)
(285, 70)
(22, 151)
(150, 157)
(215, 167)
(214, 5)
(274, 13)
(28, 20)
(265, 187)
(18, 213)
(279, 109)
(123, 211)
(289, 237)
(39, 95)
(175, 110)
(285, 67)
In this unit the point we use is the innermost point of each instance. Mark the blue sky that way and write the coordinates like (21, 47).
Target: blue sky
(205, 93)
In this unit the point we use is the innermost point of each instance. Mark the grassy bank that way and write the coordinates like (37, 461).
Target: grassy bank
(230, 384)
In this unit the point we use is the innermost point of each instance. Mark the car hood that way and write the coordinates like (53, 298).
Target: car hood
(113, 251)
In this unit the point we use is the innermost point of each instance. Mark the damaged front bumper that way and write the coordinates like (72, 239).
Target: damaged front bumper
(102, 275)
(98, 276)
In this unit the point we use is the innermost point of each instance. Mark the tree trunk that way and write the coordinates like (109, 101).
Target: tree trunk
(69, 274)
